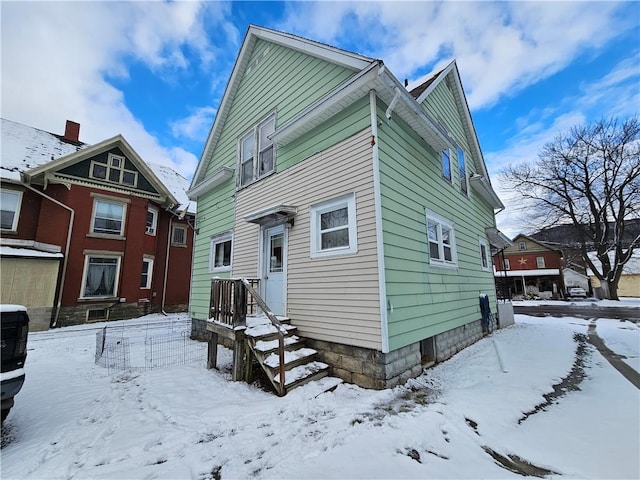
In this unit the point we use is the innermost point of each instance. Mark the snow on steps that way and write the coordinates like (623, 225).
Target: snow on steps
(300, 364)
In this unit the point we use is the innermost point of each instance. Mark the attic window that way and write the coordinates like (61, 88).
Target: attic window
(114, 171)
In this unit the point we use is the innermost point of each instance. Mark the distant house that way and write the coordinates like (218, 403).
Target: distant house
(90, 232)
(364, 210)
(529, 267)
(629, 285)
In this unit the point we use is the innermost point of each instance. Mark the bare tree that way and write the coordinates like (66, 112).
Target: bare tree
(590, 178)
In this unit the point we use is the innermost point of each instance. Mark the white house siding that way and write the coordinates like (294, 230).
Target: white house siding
(332, 299)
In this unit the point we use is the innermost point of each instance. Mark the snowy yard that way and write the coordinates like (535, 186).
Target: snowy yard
(482, 414)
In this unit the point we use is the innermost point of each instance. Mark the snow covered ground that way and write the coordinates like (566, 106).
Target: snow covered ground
(482, 414)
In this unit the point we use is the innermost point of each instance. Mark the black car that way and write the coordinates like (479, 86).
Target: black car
(15, 328)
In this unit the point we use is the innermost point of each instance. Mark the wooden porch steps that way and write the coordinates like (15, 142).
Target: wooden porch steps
(300, 362)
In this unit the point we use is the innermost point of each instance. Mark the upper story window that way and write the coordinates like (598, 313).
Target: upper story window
(108, 217)
(485, 254)
(442, 242)
(462, 171)
(522, 246)
(152, 221)
(333, 227)
(10, 203)
(445, 157)
(540, 262)
(256, 153)
(221, 252)
(114, 171)
(179, 235)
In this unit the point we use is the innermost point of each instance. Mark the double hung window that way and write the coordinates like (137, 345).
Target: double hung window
(256, 152)
(100, 276)
(10, 202)
(179, 235)
(221, 252)
(445, 157)
(485, 254)
(333, 227)
(462, 171)
(441, 237)
(152, 221)
(108, 217)
(147, 273)
(540, 262)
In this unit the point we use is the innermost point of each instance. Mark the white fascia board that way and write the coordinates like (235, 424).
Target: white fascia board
(331, 54)
(526, 273)
(221, 175)
(497, 238)
(483, 188)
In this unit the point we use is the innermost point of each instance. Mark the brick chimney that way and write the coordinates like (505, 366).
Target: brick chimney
(72, 131)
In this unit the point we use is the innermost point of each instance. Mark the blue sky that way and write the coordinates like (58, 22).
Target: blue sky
(155, 71)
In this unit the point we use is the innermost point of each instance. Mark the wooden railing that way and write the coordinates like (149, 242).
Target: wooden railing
(231, 301)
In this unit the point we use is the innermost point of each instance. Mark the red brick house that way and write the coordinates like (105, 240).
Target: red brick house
(529, 268)
(90, 232)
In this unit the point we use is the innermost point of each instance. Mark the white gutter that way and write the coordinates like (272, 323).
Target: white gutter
(382, 286)
(66, 250)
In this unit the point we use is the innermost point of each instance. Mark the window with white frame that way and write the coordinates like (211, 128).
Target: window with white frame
(442, 243)
(114, 171)
(445, 157)
(522, 246)
(256, 152)
(506, 264)
(540, 262)
(108, 217)
(485, 254)
(333, 227)
(100, 278)
(179, 235)
(220, 256)
(147, 273)
(10, 202)
(152, 221)
(462, 171)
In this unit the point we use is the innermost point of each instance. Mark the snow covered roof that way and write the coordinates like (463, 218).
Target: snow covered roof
(25, 148)
(176, 183)
(632, 267)
(26, 252)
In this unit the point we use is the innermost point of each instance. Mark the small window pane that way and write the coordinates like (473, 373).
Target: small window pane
(275, 264)
(145, 278)
(179, 236)
(266, 160)
(247, 172)
(433, 231)
(222, 254)
(247, 148)
(8, 209)
(99, 171)
(129, 178)
(116, 162)
(266, 130)
(114, 175)
(446, 164)
(447, 253)
(335, 239)
(434, 252)
(483, 254)
(336, 218)
(446, 236)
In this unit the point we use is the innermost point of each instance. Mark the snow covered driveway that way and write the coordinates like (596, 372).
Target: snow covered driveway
(482, 414)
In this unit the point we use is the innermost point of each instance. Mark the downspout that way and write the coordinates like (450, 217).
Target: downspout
(382, 287)
(392, 105)
(66, 250)
(166, 269)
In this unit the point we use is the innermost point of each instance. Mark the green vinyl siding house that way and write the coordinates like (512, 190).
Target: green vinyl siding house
(364, 210)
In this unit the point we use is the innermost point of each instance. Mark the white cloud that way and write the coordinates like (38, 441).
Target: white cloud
(500, 47)
(195, 126)
(58, 58)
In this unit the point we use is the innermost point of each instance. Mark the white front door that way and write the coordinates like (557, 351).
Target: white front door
(274, 268)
